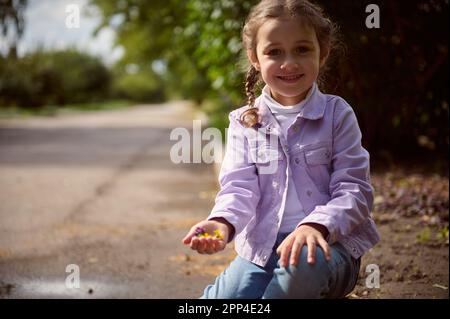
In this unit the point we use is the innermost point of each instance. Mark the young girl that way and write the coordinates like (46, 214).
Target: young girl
(300, 227)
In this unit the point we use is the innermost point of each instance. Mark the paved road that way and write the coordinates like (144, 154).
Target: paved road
(98, 190)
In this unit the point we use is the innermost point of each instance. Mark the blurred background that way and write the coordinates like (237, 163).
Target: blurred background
(60, 57)
(395, 76)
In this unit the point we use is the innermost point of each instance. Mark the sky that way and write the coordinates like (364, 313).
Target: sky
(51, 24)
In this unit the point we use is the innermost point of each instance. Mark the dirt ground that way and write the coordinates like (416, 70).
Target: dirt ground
(413, 254)
(411, 211)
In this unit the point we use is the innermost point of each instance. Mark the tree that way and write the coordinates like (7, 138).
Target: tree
(395, 77)
(12, 23)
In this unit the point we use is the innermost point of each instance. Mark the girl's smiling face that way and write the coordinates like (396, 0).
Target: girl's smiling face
(288, 57)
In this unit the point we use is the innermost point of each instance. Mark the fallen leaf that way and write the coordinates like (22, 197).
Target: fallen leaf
(440, 286)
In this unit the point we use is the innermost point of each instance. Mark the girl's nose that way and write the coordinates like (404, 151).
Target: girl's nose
(289, 65)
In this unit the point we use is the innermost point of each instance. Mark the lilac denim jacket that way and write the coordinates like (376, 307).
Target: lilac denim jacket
(329, 166)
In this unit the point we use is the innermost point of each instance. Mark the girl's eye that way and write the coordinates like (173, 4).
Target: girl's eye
(274, 52)
(302, 49)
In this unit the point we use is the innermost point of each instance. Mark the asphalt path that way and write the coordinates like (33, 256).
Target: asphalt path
(95, 197)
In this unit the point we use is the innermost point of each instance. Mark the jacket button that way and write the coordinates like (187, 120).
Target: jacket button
(297, 160)
(309, 193)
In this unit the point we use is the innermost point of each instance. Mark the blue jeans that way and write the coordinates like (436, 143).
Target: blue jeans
(325, 279)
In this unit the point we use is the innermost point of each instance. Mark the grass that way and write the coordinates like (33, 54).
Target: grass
(424, 236)
(54, 110)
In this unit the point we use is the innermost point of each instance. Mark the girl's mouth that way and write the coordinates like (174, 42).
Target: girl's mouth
(290, 78)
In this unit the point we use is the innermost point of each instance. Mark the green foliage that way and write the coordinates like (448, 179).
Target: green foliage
(395, 77)
(46, 78)
(213, 31)
(140, 85)
(198, 41)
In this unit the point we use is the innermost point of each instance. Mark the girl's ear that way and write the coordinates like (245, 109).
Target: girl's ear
(253, 59)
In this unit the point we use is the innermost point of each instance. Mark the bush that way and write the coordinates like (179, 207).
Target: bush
(142, 86)
(46, 78)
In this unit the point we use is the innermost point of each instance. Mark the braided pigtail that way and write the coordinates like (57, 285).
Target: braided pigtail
(249, 117)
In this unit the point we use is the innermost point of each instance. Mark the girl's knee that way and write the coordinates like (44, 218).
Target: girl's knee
(314, 272)
(303, 280)
(319, 260)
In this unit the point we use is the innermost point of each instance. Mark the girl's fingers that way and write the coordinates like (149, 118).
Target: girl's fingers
(187, 239)
(311, 242)
(279, 248)
(206, 245)
(210, 246)
(194, 243)
(202, 245)
(326, 248)
(220, 245)
(296, 249)
(216, 245)
(285, 250)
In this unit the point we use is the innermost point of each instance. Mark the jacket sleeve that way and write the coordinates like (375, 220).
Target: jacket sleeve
(239, 191)
(350, 189)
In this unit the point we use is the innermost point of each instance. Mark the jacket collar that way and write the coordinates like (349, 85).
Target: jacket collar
(313, 109)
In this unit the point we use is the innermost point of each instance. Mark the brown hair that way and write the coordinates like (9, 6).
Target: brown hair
(311, 14)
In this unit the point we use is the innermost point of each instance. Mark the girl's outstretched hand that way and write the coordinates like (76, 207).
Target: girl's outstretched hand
(306, 234)
(207, 237)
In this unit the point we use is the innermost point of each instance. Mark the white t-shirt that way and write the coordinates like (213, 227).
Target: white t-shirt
(285, 116)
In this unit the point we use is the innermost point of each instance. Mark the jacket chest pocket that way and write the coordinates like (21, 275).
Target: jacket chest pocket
(320, 156)
(318, 167)
(266, 159)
